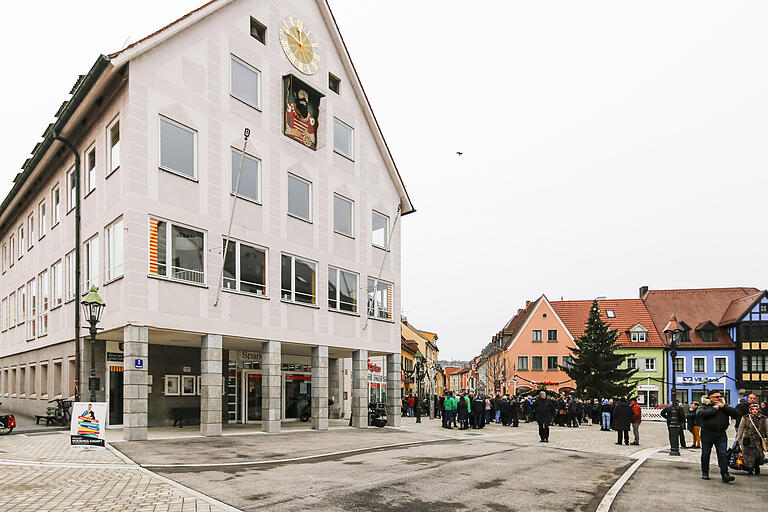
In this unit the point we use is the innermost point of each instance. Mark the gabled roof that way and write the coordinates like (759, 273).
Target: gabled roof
(409, 346)
(740, 307)
(628, 314)
(517, 322)
(694, 306)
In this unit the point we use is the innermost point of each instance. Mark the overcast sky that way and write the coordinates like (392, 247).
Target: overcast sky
(606, 145)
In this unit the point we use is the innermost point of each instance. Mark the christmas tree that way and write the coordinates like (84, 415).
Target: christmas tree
(595, 365)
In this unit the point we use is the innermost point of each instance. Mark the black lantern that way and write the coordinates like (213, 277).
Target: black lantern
(93, 306)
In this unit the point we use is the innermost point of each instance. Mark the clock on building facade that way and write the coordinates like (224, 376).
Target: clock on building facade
(299, 45)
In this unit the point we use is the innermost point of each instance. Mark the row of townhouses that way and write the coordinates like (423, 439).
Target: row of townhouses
(725, 344)
(245, 273)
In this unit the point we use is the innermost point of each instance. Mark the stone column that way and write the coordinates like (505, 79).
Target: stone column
(210, 385)
(320, 388)
(335, 389)
(271, 365)
(135, 382)
(394, 380)
(360, 388)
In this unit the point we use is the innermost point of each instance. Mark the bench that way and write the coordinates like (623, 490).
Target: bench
(48, 419)
(179, 414)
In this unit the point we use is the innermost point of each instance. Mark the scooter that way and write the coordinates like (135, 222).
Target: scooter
(7, 424)
(306, 412)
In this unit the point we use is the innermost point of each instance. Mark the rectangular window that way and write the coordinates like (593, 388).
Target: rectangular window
(3, 314)
(379, 299)
(721, 364)
(650, 364)
(551, 363)
(185, 252)
(522, 363)
(763, 307)
(334, 83)
(11, 251)
(22, 247)
(245, 268)
(567, 361)
(247, 186)
(90, 170)
(32, 372)
(113, 146)
(57, 378)
(69, 289)
(42, 324)
(699, 364)
(342, 290)
(56, 284)
(258, 31)
(21, 299)
(536, 363)
(380, 228)
(91, 263)
(343, 219)
(44, 380)
(5, 257)
(299, 194)
(114, 249)
(298, 279)
(536, 335)
(31, 224)
(631, 363)
(31, 309)
(245, 82)
(72, 189)
(343, 138)
(177, 148)
(43, 219)
(12, 311)
(552, 335)
(56, 209)
(680, 364)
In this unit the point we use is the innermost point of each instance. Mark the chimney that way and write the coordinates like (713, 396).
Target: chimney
(527, 304)
(643, 291)
(519, 311)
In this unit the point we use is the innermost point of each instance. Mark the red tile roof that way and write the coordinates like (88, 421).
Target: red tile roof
(694, 306)
(516, 322)
(628, 313)
(738, 307)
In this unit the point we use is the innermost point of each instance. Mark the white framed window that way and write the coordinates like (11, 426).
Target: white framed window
(650, 364)
(380, 299)
(11, 251)
(43, 218)
(536, 363)
(343, 215)
(721, 364)
(90, 264)
(12, 310)
(22, 246)
(522, 363)
(176, 252)
(342, 290)
(245, 82)
(299, 197)
(699, 364)
(178, 148)
(631, 363)
(115, 250)
(298, 279)
(250, 178)
(3, 315)
(680, 364)
(56, 206)
(21, 303)
(379, 228)
(56, 284)
(32, 309)
(31, 224)
(610, 313)
(5, 257)
(90, 170)
(551, 335)
(343, 138)
(42, 324)
(69, 282)
(245, 268)
(71, 189)
(638, 336)
(536, 335)
(113, 146)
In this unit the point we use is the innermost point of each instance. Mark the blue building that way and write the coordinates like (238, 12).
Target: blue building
(747, 323)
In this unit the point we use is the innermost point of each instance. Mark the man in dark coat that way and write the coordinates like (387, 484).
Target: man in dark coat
(575, 410)
(504, 410)
(543, 410)
(742, 408)
(622, 417)
(514, 410)
(715, 417)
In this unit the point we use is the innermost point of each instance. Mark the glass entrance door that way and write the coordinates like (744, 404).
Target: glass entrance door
(252, 396)
(297, 394)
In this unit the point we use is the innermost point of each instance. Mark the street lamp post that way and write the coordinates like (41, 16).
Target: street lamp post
(418, 372)
(93, 306)
(674, 334)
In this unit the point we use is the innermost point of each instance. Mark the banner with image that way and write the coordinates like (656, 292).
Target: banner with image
(88, 428)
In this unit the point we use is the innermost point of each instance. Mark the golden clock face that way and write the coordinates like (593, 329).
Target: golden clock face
(299, 45)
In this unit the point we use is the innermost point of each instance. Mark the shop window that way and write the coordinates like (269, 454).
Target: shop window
(176, 252)
(245, 268)
(379, 299)
(298, 279)
(247, 186)
(342, 290)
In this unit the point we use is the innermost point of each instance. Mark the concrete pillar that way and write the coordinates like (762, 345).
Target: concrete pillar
(210, 385)
(320, 388)
(135, 382)
(271, 385)
(394, 381)
(360, 388)
(335, 388)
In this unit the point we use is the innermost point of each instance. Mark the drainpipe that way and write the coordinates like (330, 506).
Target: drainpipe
(78, 363)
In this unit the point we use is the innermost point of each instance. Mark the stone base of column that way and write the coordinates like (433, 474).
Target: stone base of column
(210, 382)
(360, 389)
(320, 388)
(135, 382)
(394, 381)
(271, 367)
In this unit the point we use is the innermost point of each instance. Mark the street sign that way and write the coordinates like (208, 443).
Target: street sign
(138, 363)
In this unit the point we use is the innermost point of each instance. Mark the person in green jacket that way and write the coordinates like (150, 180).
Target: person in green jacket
(449, 404)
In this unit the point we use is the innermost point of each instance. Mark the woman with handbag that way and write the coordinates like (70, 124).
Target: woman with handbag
(752, 438)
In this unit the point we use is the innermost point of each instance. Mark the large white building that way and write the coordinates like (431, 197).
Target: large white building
(312, 274)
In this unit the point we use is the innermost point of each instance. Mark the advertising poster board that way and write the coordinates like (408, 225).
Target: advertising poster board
(88, 428)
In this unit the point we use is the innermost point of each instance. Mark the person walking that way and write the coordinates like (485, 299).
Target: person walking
(605, 409)
(694, 425)
(497, 407)
(404, 406)
(714, 416)
(675, 417)
(742, 408)
(504, 408)
(637, 418)
(753, 438)
(488, 409)
(411, 405)
(544, 409)
(622, 418)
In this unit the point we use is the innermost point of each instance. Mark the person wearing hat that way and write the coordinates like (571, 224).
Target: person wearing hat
(752, 438)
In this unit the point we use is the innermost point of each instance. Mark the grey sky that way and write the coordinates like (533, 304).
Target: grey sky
(606, 144)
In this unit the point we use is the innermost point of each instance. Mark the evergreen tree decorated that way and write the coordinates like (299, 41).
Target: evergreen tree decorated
(595, 365)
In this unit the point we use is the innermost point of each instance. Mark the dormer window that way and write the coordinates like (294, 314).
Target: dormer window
(610, 313)
(638, 337)
(707, 331)
(638, 334)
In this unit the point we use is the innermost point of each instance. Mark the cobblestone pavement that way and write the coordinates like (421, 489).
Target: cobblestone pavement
(42, 473)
